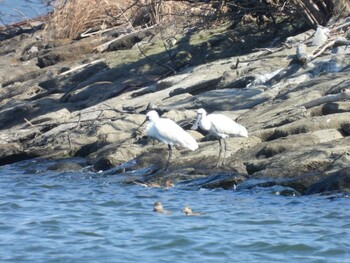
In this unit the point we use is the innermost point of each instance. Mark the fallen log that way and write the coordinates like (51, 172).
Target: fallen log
(343, 95)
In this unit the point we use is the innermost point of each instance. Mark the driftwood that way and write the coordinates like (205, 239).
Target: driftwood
(82, 66)
(262, 53)
(323, 48)
(333, 42)
(341, 41)
(344, 95)
(104, 47)
(302, 56)
(123, 29)
(341, 26)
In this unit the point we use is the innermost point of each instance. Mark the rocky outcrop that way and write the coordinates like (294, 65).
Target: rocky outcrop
(62, 100)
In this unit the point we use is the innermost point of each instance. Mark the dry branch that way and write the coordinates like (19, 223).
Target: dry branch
(344, 95)
(309, 17)
(341, 26)
(28, 122)
(87, 34)
(328, 45)
(155, 62)
(82, 66)
(104, 47)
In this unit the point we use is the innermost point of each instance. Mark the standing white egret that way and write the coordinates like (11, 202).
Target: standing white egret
(167, 131)
(219, 126)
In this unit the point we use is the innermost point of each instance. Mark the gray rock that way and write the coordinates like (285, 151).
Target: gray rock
(94, 112)
(49, 60)
(336, 182)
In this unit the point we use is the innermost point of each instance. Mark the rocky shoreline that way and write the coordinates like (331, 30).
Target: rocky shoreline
(65, 99)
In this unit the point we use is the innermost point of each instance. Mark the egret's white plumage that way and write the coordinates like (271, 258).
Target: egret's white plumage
(167, 131)
(219, 126)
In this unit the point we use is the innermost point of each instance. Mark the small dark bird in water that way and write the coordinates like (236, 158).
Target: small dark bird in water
(188, 211)
(158, 208)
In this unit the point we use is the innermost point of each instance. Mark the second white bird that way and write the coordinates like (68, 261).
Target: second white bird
(221, 127)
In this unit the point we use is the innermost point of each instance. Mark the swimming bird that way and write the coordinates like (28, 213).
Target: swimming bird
(188, 211)
(167, 131)
(221, 127)
(158, 208)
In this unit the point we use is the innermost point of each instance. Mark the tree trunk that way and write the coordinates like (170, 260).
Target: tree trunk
(318, 12)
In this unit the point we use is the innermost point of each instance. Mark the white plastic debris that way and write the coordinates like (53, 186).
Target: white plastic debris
(321, 36)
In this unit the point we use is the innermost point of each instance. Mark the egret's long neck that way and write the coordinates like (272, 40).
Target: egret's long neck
(154, 118)
(205, 123)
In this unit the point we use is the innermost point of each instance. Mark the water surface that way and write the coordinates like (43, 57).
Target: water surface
(12, 11)
(80, 216)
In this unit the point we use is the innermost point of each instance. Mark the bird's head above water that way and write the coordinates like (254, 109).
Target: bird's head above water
(187, 210)
(157, 206)
(200, 114)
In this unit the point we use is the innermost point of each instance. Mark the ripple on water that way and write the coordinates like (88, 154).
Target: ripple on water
(51, 216)
(167, 242)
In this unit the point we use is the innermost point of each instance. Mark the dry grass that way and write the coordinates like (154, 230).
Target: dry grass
(71, 18)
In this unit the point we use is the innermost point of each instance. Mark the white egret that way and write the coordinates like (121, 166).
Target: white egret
(221, 127)
(167, 131)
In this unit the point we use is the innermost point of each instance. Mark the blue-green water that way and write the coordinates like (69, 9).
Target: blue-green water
(86, 217)
(12, 11)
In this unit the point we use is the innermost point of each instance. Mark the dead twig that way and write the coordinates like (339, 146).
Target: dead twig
(155, 62)
(237, 63)
(32, 125)
(341, 26)
(126, 18)
(104, 47)
(28, 122)
(87, 34)
(69, 141)
(268, 51)
(323, 48)
(78, 123)
(82, 66)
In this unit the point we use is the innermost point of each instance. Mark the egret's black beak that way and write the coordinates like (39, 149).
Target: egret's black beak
(133, 135)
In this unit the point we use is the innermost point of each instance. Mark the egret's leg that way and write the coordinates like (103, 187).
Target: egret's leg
(170, 152)
(225, 145)
(218, 163)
